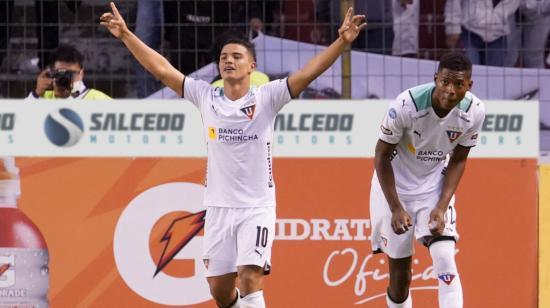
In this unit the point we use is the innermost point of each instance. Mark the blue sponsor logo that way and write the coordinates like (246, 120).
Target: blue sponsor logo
(392, 113)
(64, 127)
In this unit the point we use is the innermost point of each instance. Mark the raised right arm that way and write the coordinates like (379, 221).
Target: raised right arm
(151, 60)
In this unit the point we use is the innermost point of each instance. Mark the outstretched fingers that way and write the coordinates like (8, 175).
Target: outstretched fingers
(106, 17)
(115, 10)
(358, 20)
(349, 14)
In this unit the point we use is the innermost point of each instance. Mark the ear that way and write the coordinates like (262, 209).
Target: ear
(435, 78)
(252, 66)
(470, 84)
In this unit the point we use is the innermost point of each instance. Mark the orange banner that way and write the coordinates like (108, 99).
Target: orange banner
(105, 221)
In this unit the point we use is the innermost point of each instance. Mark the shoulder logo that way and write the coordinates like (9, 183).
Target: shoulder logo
(249, 111)
(392, 113)
(453, 135)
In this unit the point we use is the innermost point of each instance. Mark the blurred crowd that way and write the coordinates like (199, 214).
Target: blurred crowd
(513, 33)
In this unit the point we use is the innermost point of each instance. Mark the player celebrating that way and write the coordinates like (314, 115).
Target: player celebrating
(413, 188)
(238, 126)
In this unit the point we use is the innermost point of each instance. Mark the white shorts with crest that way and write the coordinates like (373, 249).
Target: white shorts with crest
(237, 236)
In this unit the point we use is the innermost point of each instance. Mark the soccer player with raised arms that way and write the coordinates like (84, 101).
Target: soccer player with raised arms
(238, 127)
(424, 141)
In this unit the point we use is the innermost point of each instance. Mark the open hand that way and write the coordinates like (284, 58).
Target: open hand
(114, 22)
(352, 25)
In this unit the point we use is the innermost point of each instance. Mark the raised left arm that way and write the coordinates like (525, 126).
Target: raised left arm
(348, 32)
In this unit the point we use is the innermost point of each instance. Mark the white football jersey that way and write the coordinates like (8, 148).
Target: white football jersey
(239, 139)
(424, 140)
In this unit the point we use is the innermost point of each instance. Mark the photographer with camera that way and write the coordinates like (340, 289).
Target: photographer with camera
(63, 77)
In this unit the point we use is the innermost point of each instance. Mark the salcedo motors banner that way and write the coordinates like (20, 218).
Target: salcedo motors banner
(110, 222)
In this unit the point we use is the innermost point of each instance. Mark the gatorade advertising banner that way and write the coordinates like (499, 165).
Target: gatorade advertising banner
(123, 231)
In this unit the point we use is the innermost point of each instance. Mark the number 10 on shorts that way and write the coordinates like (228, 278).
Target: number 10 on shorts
(261, 236)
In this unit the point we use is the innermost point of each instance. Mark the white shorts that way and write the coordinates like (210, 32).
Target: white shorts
(237, 236)
(396, 246)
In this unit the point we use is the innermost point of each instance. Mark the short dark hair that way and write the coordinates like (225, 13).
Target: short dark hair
(243, 42)
(455, 61)
(66, 53)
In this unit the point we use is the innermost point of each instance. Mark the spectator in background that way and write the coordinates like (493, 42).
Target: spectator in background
(480, 27)
(63, 78)
(191, 27)
(149, 23)
(529, 30)
(406, 17)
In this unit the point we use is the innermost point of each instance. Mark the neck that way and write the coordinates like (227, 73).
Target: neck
(236, 89)
(440, 112)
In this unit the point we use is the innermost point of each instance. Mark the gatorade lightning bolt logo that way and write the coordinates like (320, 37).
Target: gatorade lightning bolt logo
(180, 232)
(4, 268)
(249, 111)
(447, 278)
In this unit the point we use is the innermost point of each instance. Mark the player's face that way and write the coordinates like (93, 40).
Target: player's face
(451, 87)
(235, 62)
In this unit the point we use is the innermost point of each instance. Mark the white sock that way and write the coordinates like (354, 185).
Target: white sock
(450, 289)
(253, 300)
(408, 303)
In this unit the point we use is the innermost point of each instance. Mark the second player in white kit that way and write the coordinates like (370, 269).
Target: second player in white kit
(424, 141)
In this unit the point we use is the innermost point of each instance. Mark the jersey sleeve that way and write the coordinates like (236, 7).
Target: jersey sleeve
(469, 139)
(394, 122)
(277, 93)
(196, 91)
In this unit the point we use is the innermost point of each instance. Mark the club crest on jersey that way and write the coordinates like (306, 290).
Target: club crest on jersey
(453, 135)
(447, 278)
(249, 111)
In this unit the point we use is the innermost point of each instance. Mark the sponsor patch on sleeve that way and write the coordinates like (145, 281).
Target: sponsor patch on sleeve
(392, 113)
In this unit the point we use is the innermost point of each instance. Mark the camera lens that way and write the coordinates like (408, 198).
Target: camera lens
(64, 79)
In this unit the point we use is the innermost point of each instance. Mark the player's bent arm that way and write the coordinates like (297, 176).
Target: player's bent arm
(300, 79)
(454, 172)
(384, 171)
(154, 62)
